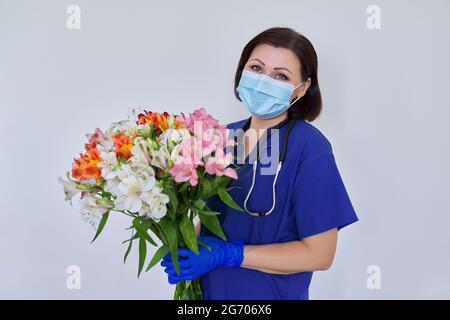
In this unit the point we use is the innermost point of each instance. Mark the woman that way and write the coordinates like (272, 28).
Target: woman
(272, 253)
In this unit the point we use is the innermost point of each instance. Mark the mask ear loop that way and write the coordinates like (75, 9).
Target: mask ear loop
(298, 96)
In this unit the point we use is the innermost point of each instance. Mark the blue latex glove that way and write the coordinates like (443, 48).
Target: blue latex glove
(192, 265)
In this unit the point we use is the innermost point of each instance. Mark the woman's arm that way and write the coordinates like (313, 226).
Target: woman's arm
(309, 254)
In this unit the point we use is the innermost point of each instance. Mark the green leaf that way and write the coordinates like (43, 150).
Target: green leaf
(173, 200)
(142, 254)
(204, 244)
(129, 248)
(104, 202)
(204, 189)
(183, 187)
(136, 236)
(210, 213)
(222, 181)
(172, 239)
(185, 295)
(159, 254)
(187, 229)
(225, 197)
(156, 231)
(207, 188)
(142, 231)
(101, 225)
(199, 204)
(177, 293)
(213, 224)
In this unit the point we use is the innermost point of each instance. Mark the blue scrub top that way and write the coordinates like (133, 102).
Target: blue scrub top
(310, 198)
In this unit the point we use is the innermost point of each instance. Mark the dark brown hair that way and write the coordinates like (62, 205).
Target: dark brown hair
(310, 105)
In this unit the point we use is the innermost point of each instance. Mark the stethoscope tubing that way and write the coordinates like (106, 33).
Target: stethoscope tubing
(255, 167)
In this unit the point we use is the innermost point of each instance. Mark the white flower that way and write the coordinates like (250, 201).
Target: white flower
(124, 172)
(184, 132)
(140, 168)
(160, 157)
(141, 150)
(70, 187)
(91, 212)
(122, 125)
(139, 163)
(170, 137)
(131, 189)
(133, 113)
(128, 126)
(107, 143)
(112, 186)
(89, 182)
(108, 165)
(131, 130)
(155, 203)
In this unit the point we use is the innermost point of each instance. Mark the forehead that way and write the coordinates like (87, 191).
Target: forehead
(274, 57)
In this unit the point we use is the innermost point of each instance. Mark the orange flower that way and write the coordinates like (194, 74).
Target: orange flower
(86, 166)
(161, 121)
(122, 145)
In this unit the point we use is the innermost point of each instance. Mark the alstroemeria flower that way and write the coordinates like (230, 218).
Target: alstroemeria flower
(122, 145)
(86, 166)
(218, 164)
(70, 187)
(184, 170)
(108, 165)
(91, 211)
(200, 119)
(155, 203)
(96, 137)
(163, 159)
(131, 189)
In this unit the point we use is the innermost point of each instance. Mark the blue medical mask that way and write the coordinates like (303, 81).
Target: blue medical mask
(264, 96)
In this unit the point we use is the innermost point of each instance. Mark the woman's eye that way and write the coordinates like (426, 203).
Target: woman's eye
(282, 77)
(256, 68)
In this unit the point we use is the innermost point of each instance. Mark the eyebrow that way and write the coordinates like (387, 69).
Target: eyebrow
(277, 68)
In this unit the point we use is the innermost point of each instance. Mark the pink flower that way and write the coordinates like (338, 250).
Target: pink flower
(185, 165)
(210, 141)
(182, 120)
(201, 119)
(96, 137)
(184, 170)
(191, 150)
(212, 138)
(207, 136)
(218, 164)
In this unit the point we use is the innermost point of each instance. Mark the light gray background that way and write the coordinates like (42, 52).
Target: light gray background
(386, 113)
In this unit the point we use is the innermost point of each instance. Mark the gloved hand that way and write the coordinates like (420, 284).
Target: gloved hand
(192, 265)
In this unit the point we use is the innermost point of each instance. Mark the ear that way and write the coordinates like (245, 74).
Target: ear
(301, 90)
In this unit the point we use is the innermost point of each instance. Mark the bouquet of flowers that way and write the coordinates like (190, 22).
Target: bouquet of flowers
(159, 169)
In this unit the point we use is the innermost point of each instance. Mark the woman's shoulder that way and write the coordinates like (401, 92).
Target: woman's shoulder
(236, 124)
(311, 140)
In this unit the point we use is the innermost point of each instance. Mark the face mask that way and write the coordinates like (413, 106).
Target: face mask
(264, 96)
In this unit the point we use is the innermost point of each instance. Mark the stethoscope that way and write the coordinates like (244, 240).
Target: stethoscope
(280, 162)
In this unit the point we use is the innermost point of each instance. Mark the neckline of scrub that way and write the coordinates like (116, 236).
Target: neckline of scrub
(246, 126)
